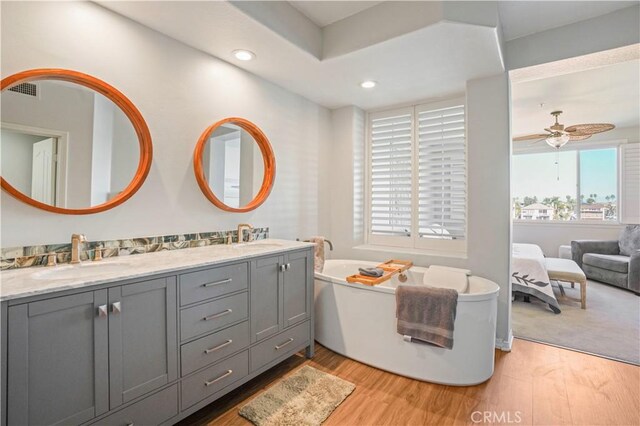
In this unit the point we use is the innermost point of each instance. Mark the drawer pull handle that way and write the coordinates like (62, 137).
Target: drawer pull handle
(283, 267)
(116, 307)
(227, 343)
(210, 382)
(218, 315)
(282, 345)
(226, 281)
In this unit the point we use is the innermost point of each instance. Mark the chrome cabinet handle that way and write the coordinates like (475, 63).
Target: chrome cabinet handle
(116, 307)
(283, 267)
(288, 266)
(130, 424)
(227, 343)
(228, 280)
(210, 382)
(282, 345)
(218, 315)
(102, 311)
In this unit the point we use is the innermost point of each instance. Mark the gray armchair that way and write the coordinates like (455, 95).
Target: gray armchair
(614, 262)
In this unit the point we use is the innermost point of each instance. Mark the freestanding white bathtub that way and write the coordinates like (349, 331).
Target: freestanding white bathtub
(359, 322)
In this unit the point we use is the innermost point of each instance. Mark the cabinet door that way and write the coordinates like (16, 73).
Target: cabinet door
(58, 360)
(143, 344)
(296, 287)
(266, 302)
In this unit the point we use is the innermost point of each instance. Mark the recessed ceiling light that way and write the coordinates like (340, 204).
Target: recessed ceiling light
(368, 84)
(244, 55)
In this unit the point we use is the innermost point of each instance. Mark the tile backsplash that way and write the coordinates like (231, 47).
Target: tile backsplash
(24, 257)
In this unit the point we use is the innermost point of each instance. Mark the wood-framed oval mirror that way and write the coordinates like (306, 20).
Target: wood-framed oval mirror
(234, 165)
(71, 143)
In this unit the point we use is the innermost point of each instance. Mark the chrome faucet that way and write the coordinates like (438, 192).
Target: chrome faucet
(76, 239)
(241, 229)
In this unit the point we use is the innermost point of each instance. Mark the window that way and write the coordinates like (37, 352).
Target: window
(567, 185)
(417, 177)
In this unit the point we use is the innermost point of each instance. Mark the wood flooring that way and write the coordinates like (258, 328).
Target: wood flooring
(534, 384)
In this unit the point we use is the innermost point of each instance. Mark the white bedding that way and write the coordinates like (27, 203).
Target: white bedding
(529, 275)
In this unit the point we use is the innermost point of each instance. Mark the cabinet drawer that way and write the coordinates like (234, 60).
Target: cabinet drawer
(213, 316)
(214, 282)
(286, 343)
(214, 347)
(152, 410)
(213, 379)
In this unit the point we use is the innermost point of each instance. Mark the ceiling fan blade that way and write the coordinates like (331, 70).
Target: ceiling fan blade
(529, 137)
(590, 128)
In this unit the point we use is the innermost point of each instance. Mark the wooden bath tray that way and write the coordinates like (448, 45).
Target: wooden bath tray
(390, 268)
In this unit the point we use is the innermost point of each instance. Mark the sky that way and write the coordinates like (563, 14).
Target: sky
(601, 165)
(537, 174)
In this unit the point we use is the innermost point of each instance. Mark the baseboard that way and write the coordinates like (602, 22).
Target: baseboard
(505, 344)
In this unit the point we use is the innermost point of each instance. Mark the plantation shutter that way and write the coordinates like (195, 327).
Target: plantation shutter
(630, 185)
(391, 173)
(442, 172)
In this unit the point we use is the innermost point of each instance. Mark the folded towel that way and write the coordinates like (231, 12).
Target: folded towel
(446, 277)
(371, 272)
(318, 253)
(427, 314)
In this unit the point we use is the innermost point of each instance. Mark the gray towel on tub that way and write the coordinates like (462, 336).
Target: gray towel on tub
(427, 314)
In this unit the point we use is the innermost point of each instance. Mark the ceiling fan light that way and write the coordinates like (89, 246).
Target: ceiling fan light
(557, 140)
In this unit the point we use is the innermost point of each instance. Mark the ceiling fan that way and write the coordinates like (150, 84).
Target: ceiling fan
(557, 135)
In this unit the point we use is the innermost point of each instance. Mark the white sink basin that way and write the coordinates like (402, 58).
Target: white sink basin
(82, 270)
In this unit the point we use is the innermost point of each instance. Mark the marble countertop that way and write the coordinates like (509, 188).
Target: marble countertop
(19, 283)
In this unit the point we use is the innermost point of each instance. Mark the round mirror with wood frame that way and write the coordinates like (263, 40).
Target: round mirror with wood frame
(104, 94)
(226, 169)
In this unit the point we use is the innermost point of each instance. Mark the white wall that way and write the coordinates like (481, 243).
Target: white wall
(489, 211)
(179, 91)
(489, 233)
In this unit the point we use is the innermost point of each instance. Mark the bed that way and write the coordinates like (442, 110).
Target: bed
(529, 275)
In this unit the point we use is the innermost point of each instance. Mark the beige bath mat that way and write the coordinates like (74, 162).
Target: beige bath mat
(307, 397)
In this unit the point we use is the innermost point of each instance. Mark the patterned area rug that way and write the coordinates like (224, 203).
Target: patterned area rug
(307, 397)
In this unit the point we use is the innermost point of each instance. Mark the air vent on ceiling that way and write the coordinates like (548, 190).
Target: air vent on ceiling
(28, 89)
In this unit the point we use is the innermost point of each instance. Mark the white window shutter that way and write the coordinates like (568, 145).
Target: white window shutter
(390, 180)
(630, 185)
(442, 172)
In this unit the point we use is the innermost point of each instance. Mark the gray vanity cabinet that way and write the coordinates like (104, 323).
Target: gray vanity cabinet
(153, 350)
(76, 357)
(142, 338)
(58, 360)
(280, 292)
